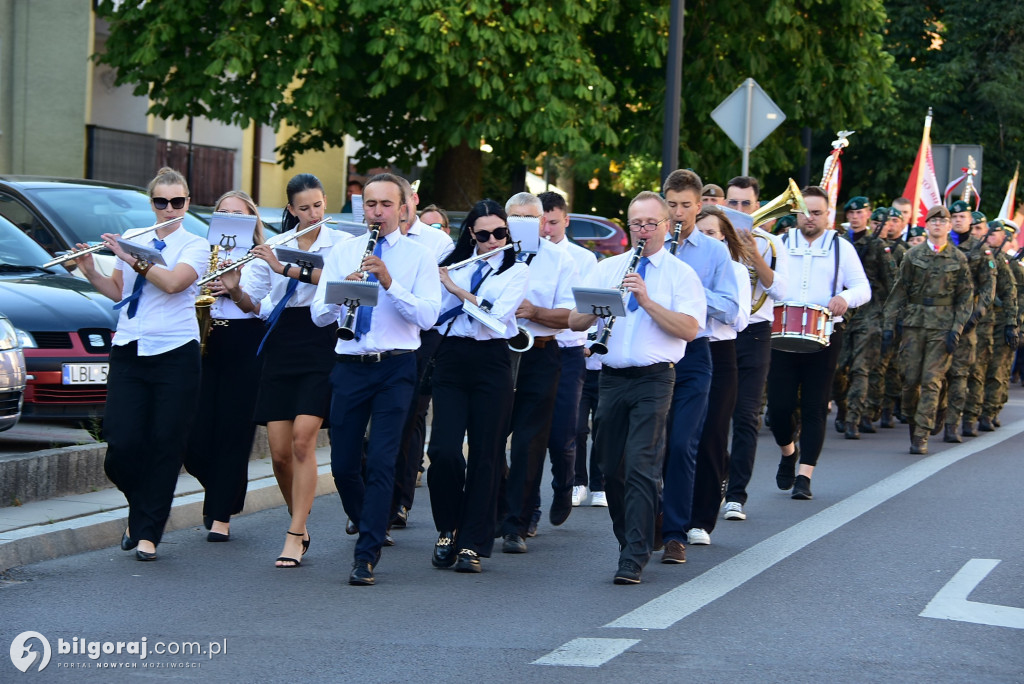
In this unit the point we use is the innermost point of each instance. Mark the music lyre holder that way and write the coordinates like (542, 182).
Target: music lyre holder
(601, 311)
(299, 257)
(228, 242)
(601, 302)
(349, 293)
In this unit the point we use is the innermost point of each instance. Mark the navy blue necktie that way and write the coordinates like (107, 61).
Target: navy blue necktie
(132, 300)
(478, 276)
(365, 314)
(641, 271)
(278, 310)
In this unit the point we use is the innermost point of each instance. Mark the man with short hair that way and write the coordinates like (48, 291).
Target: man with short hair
(933, 298)
(906, 208)
(1005, 329)
(884, 383)
(664, 313)
(960, 216)
(712, 194)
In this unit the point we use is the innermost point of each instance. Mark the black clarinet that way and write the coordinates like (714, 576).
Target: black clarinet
(601, 345)
(347, 331)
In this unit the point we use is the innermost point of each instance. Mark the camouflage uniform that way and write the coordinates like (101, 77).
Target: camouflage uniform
(1002, 313)
(933, 296)
(997, 380)
(863, 334)
(884, 380)
(982, 265)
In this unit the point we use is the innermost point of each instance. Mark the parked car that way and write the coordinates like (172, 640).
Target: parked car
(64, 326)
(600, 235)
(58, 212)
(12, 375)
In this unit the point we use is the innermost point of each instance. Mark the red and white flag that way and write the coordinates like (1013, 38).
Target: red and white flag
(1007, 210)
(922, 187)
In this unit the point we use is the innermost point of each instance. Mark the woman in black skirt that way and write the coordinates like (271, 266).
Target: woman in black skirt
(223, 432)
(473, 389)
(295, 356)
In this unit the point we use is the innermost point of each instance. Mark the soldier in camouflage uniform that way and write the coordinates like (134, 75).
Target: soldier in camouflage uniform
(1004, 345)
(991, 328)
(980, 259)
(863, 334)
(933, 297)
(884, 382)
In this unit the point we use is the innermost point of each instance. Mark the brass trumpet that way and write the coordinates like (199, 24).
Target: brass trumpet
(791, 201)
(600, 346)
(347, 331)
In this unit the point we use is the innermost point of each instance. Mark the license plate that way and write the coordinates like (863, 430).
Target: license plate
(84, 374)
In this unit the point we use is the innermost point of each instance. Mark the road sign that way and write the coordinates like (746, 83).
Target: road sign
(747, 116)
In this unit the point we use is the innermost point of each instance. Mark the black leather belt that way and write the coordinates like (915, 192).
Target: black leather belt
(370, 358)
(638, 371)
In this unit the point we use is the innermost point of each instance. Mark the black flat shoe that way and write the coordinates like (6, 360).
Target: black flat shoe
(217, 537)
(786, 474)
(141, 555)
(362, 574)
(468, 561)
(444, 551)
(127, 543)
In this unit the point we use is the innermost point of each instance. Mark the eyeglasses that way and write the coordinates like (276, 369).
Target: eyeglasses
(439, 226)
(636, 226)
(937, 221)
(161, 202)
(739, 203)
(499, 233)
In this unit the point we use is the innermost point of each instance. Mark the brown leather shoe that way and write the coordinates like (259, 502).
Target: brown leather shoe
(675, 553)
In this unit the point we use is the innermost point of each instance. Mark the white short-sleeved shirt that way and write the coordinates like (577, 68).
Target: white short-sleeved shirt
(224, 308)
(585, 263)
(503, 291)
(437, 242)
(719, 331)
(263, 284)
(553, 274)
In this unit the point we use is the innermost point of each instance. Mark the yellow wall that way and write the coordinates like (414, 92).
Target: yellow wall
(327, 165)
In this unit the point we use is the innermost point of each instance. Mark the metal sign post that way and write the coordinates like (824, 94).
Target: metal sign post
(748, 116)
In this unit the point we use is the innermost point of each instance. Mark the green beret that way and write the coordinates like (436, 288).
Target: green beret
(915, 231)
(879, 214)
(977, 217)
(894, 213)
(858, 202)
(959, 207)
(786, 222)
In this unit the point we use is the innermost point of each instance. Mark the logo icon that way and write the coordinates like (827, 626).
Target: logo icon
(24, 657)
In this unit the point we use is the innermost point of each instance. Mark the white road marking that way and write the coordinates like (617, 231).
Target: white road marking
(951, 602)
(586, 652)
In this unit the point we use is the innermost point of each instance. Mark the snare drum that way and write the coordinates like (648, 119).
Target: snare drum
(801, 327)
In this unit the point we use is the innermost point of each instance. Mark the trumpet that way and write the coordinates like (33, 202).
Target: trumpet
(70, 256)
(347, 331)
(275, 241)
(478, 257)
(789, 202)
(600, 346)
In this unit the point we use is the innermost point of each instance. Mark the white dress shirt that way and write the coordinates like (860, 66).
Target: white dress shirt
(553, 274)
(224, 308)
(719, 331)
(436, 241)
(812, 270)
(163, 321)
(585, 263)
(504, 291)
(777, 292)
(636, 340)
(411, 304)
(263, 284)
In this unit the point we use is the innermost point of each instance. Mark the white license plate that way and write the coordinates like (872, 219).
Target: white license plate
(84, 374)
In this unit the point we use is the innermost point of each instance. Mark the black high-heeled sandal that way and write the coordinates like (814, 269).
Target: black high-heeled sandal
(286, 559)
(305, 544)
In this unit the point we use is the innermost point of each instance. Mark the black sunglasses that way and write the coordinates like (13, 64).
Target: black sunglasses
(499, 233)
(161, 202)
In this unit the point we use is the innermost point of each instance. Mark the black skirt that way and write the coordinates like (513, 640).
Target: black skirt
(297, 360)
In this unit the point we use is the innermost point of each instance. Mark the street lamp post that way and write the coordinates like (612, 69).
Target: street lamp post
(673, 90)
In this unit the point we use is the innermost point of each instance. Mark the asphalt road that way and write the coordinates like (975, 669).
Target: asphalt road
(803, 591)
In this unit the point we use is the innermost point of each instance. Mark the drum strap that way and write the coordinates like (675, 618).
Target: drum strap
(790, 238)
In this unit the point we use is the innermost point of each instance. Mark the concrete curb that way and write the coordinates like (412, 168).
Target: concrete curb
(35, 543)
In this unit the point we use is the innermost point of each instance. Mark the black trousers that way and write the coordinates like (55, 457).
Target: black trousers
(803, 380)
(713, 450)
(151, 401)
(631, 431)
(414, 432)
(536, 389)
(753, 356)
(472, 391)
(588, 407)
(564, 428)
(221, 440)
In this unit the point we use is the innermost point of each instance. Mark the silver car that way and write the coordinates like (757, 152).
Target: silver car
(12, 375)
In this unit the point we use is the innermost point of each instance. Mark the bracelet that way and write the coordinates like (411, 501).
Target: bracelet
(306, 275)
(141, 267)
(284, 271)
(238, 301)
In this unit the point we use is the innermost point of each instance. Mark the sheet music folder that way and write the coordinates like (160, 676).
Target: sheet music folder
(352, 292)
(150, 254)
(287, 255)
(599, 301)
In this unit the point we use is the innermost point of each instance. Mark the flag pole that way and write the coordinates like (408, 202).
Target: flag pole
(925, 143)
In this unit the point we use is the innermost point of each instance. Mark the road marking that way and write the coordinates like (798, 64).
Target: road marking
(586, 652)
(671, 607)
(951, 602)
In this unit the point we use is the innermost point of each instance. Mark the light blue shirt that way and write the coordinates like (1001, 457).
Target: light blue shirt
(713, 265)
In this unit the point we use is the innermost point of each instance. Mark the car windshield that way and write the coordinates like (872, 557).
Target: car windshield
(88, 211)
(18, 249)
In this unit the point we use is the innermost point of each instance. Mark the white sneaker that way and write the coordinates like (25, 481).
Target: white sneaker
(734, 511)
(698, 537)
(579, 494)
(598, 499)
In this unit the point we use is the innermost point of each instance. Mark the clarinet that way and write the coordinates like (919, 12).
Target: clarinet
(347, 331)
(673, 244)
(601, 345)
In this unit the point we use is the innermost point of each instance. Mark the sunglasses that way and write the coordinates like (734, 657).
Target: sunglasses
(439, 226)
(499, 233)
(161, 202)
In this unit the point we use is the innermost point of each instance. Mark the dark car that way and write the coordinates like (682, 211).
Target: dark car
(65, 327)
(12, 375)
(597, 234)
(58, 213)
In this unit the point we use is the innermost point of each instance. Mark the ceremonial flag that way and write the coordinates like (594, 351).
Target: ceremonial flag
(922, 187)
(1007, 210)
(953, 185)
(832, 174)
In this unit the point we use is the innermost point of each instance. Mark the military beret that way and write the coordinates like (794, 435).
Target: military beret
(879, 214)
(712, 190)
(959, 207)
(937, 210)
(858, 202)
(894, 213)
(977, 217)
(915, 231)
(786, 222)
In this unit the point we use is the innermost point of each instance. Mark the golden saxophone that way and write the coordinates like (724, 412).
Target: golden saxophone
(204, 301)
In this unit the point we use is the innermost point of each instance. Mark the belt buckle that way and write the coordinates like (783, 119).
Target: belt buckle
(373, 358)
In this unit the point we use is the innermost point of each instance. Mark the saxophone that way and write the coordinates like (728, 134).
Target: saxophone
(204, 301)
